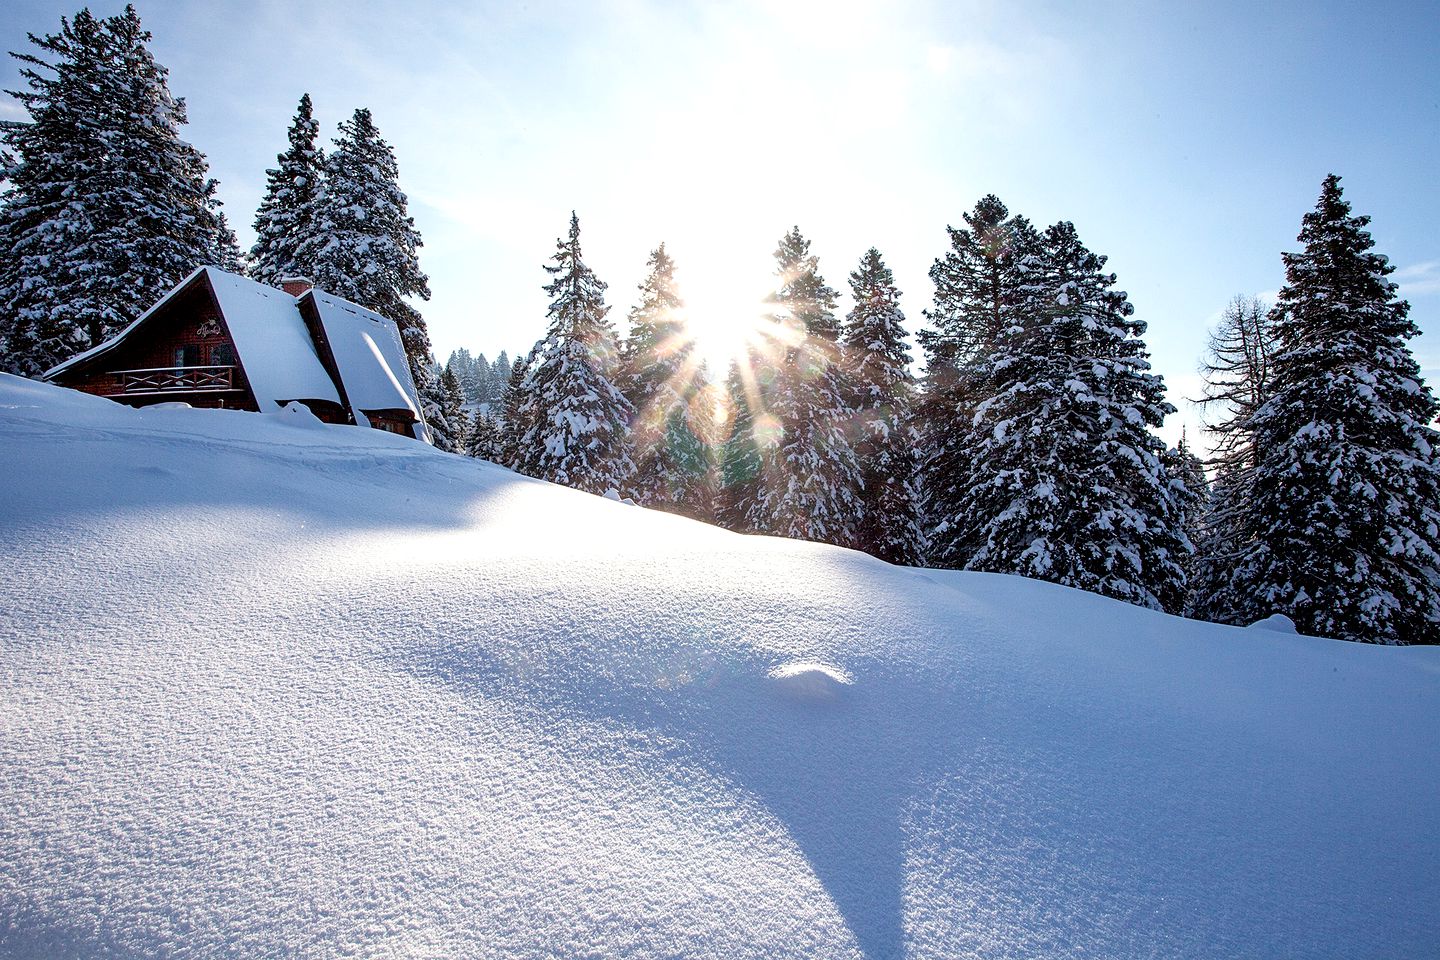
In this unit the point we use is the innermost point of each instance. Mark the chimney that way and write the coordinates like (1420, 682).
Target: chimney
(295, 286)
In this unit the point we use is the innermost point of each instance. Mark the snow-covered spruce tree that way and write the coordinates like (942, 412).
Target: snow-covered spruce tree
(1064, 479)
(515, 410)
(810, 480)
(104, 205)
(742, 453)
(450, 424)
(1190, 490)
(476, 381)
(1236, 375)
(664, 382)
(485, 437)
(499, 376)
(881, 391)
(285, 221)
(976, 282)
(463, 366)
(365, 244)
(1341, 529)
(576, 417)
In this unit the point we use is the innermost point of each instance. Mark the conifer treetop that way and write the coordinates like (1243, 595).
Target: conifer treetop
(874, 335)
(105, 206)
(802, 292)
(577, 308)
(285, 218)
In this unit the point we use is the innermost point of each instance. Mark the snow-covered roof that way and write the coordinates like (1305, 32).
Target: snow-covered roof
(268, 332)
(368, 354)
(271, 340)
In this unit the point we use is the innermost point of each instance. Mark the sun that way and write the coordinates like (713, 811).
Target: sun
(725, 325)
(722, 335)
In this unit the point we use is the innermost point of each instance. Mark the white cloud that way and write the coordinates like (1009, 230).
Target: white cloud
(1418, 278)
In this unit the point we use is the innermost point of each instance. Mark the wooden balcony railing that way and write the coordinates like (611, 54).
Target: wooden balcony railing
(177, 380)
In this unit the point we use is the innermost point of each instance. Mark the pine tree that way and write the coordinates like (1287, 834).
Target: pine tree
(881, 391)
(1190, 491)
(365, 243)
(1219, 543)
(105, 206)
(1341, 530)
(973, 281)
(515, 410)
(462, 365)
(485, 437)
(977, 284)
(576, 417)
(664, 382)
(500, 372)
(808, 485)
(285, 221)
(747, 440)
(449, 424)
(476, 382)
(1064, 478)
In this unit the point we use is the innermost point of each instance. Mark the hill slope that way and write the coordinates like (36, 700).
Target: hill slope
(273, 687)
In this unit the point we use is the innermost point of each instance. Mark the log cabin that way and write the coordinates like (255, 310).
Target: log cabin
(221, 340)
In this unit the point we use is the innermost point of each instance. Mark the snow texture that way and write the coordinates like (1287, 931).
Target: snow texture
(272, 689)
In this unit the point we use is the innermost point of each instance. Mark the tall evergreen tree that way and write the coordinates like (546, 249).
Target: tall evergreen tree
(1190, 491)
(515, 410)
(476, 382)
(977, 285)
(365, 246)
(576, 417)
(1342, 527)
(664, 382)
(485, 437)
(285, 221)
(105, 205)
(1064, 480)
(973, 281)
(749, 432)
(450, 425)
(809, 481)
(462, 365)
(881, 388)
(500, 372)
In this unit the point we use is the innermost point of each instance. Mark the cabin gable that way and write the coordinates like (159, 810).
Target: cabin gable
(181, 351)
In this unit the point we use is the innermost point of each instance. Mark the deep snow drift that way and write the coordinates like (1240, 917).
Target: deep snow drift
(271, 687)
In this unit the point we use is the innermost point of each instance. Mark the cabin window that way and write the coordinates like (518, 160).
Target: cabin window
(187, 356)
(222, 355)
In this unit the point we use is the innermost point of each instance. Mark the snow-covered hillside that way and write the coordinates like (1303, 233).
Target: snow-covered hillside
(270, 687)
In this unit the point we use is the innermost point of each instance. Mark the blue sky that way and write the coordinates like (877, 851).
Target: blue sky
(1185, 142)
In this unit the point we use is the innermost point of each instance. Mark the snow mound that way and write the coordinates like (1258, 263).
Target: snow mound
(271, 691)
(296, 414)
(1277, 622)
(810, 681)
